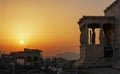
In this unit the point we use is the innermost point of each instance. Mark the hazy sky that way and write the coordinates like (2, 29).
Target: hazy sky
(49, 25)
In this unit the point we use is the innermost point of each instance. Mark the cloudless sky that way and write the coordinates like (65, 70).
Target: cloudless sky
(49, 25)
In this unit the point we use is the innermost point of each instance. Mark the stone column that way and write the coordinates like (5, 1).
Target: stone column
(93, 36)
(102, 36)
(112, 38)
(86, 34)
(112, 42)
(81, 38)
(90, 37)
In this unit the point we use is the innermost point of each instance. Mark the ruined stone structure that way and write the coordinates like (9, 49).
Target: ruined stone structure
(26, 57)
(101, 49)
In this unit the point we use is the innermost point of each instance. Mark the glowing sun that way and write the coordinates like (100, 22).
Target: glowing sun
(21, 42)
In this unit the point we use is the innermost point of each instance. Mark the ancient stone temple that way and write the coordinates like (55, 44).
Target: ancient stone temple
(100, 38)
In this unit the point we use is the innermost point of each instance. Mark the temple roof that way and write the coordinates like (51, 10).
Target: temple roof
(112, 5)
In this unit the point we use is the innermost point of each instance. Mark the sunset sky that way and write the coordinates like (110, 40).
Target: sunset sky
(49, 25)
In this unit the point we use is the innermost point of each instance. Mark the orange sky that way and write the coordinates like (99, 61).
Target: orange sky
(49, 25)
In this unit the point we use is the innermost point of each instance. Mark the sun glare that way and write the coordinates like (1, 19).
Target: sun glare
(21, 42)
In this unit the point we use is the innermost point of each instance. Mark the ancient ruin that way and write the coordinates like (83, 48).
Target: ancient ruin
(26, 57)
(100, 38)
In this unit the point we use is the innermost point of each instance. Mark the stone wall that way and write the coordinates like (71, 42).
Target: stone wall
(92, 56)
(115, 11)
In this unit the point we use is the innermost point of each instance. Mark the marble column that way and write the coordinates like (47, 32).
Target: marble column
(86, 35)
(90, 37)
(93, 36)
(81, 38)
(102, 36)
(112, 37)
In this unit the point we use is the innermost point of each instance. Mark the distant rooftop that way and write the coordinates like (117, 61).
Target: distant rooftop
(27, 50)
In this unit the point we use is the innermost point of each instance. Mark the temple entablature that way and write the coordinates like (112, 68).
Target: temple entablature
(85, 20)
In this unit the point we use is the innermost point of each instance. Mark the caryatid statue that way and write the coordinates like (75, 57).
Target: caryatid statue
(93, 36)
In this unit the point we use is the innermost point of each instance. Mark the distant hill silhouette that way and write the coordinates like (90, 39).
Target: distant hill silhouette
(69, 55)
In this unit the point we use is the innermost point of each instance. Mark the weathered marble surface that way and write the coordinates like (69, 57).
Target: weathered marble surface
(93, 55)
